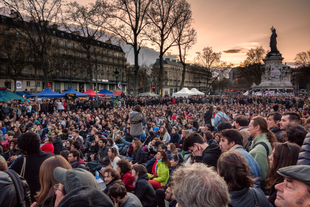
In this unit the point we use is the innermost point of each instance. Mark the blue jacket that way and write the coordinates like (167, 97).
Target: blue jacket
(253, 165)
(218, 117)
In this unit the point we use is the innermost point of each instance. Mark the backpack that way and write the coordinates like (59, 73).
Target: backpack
(124, 150)
(223, 119)
(22, 189)
(265, 146)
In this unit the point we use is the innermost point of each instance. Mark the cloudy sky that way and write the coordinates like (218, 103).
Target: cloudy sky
(234, 26)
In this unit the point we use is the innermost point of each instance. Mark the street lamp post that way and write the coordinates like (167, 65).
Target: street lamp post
(116, 76)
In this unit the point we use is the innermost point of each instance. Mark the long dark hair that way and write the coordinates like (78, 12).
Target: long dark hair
(285, 154)
(233, 167)
(165, 159)
(258, 120)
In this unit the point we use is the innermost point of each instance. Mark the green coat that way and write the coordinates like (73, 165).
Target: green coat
(260, 154)
(162, 174)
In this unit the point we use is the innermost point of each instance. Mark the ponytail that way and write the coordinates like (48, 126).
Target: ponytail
(271, 138)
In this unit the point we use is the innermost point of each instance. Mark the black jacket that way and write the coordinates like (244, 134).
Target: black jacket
(210, 155)
(246, 198)
(304, 153)
(208, 117)
(139, 156)
(33, 164)
(103, 153)
(106, 190)
(278, 133)
(86, 196)
(58, 147)
(144, 191)
(174, 138)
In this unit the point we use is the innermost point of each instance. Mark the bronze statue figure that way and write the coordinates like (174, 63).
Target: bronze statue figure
(273, 41)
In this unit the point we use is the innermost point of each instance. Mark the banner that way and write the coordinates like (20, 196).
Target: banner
(117, 93)
(70, 97)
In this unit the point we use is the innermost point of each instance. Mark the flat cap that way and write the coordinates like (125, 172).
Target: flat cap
(296, 172)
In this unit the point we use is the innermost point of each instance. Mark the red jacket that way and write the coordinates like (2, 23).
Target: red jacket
(128, 181)
(48, 148)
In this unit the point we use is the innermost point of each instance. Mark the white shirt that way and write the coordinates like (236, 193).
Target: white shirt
(113, 164)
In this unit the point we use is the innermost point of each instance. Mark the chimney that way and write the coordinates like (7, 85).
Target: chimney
(55, 26)
(174, 60)
(157, 59)
(77, 33)
(108, 41)
(167, 59)
(285, 63)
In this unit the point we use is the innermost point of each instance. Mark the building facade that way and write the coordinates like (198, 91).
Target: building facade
(195, 76)
(67, 62)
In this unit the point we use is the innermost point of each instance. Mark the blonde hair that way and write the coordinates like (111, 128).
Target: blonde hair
(46, 177)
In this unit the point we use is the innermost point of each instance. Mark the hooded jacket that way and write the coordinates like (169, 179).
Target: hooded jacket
(136, 119)
(278, 133)
(304, 154)
(86, 196)
(139, 156)
(260, 155)
(80, 164)
(144, 191)
(58, 147)
(210, 155)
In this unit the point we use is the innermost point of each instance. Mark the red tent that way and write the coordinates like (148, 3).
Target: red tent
(92, 93)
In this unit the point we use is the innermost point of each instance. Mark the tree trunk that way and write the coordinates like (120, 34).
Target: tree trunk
(135, 81)
(90, 70)
(44, 73)
(14, 79)
(161, 69)
(183, 75)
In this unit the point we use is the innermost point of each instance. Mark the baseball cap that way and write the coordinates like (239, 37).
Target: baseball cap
(74, 178)
(296, 172)
(156, 129)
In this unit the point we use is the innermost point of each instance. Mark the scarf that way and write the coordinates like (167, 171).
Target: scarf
(158, 161)
(114, 134)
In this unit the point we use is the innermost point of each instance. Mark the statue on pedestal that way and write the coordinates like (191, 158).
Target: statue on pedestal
(273, 42)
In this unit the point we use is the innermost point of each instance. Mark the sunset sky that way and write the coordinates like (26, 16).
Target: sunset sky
(238, 25)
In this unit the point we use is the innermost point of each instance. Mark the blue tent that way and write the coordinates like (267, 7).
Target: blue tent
(106, 92)
(26, 93)
(72, 91)
(48, 93)
(7, 96)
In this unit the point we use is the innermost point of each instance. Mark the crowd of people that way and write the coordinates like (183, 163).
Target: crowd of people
(215, 151)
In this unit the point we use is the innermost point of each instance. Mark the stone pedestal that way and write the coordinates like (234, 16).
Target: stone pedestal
(276, 75)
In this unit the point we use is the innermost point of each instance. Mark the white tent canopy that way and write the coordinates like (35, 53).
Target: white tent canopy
(194, 90)
(185, 92)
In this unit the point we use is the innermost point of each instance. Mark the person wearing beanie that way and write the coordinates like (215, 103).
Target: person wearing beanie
(78, 187)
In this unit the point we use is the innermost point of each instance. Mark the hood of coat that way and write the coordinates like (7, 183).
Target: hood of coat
(144, 177)
(213, 149)
(86, 196)
(135, 116)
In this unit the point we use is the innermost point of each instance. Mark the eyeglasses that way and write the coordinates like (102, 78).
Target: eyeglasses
(56, 187)
(288, 145)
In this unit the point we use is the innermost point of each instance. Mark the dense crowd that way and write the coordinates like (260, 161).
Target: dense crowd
(203, 151)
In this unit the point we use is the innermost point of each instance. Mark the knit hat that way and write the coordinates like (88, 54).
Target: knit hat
(74, 178)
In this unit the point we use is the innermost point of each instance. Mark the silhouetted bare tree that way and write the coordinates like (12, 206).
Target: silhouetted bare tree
(130, 20)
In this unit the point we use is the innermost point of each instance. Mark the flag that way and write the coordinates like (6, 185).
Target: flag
(150, 91)
(160, 92)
